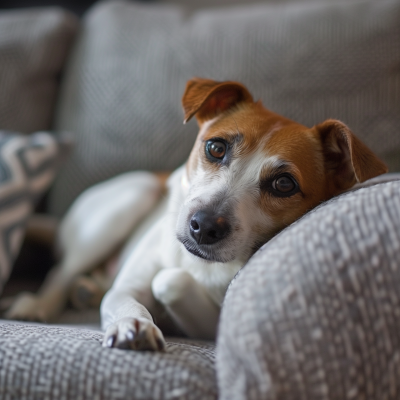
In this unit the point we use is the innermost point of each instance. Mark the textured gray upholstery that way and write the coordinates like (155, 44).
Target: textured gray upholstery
(198, 4)
(34, 45)
(308, 61)
(315, 314)
(41, 362)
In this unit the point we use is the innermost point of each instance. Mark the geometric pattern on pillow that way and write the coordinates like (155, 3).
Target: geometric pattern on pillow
(47, 362)
(315, 314)
(27, 167)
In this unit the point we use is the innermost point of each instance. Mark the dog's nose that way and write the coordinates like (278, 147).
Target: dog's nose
(208, 228)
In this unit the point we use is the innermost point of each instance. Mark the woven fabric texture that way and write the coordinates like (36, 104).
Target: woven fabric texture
(42, 362)
(310, 61)
(315, 313)
(27, 167)
(34, 45)
(199, 4)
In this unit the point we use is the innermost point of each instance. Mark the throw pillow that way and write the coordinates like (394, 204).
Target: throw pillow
(27, 167)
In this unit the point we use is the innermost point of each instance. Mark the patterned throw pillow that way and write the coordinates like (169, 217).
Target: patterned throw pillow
(27, 167)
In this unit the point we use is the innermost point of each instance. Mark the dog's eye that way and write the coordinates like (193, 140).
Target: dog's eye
(216, 149)
(284, 184)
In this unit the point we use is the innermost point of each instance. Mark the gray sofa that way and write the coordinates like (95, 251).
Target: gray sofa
(315, 313)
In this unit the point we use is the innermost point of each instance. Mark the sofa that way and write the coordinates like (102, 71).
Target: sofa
(315, 312)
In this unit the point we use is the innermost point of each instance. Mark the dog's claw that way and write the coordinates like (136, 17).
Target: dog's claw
(110, 341)
(130, 335)
(134, 334)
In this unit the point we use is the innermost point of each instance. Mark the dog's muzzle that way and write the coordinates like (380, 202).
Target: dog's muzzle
(207, 228)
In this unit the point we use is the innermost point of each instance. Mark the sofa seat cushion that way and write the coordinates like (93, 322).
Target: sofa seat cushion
(53, 362)
(315, 314)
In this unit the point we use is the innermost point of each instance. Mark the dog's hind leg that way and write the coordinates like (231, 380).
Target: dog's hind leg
(97, 223)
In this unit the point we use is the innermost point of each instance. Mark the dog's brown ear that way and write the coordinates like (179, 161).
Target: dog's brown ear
(206, 98)
(347, 159)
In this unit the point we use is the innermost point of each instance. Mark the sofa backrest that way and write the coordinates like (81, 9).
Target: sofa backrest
(308, 61)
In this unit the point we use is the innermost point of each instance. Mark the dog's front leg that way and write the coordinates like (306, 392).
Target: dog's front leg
(187, 302)
(132, 327)
(125, 309)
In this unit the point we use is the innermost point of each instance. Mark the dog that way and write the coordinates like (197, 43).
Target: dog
(250, 174)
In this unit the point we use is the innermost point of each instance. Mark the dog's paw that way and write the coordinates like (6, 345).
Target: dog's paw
(134, 334)
(26, 307)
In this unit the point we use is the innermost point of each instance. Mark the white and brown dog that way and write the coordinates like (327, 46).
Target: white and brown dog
(250, 174)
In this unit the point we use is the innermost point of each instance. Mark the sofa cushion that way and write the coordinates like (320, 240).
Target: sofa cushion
(43, 362)
(34, 45)
(315, 313)
(309, 61)
(27, 167)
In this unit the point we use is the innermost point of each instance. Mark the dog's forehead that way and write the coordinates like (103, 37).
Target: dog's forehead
(252, 122)
(257, 128)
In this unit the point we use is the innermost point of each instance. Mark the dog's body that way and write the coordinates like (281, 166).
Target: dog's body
(251, 173)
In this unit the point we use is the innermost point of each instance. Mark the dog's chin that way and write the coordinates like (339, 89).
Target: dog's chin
(207, 255)
(200, 254)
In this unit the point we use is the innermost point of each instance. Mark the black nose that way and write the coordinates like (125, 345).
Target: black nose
(208, 228)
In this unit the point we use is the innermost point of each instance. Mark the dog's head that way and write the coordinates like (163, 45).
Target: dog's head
(252, 172)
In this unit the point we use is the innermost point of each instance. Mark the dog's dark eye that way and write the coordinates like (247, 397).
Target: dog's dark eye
(283, 184)
(216, 149)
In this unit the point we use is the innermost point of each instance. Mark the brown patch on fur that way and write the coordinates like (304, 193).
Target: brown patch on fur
(206, 98)
(251, 121)
(347, 159)
(327, 160)
(163, 177)
(296, 146)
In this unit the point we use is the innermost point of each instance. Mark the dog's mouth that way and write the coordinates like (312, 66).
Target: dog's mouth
(199, 253)
(205, 252)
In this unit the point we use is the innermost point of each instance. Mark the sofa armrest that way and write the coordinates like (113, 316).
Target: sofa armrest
(315, 313)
